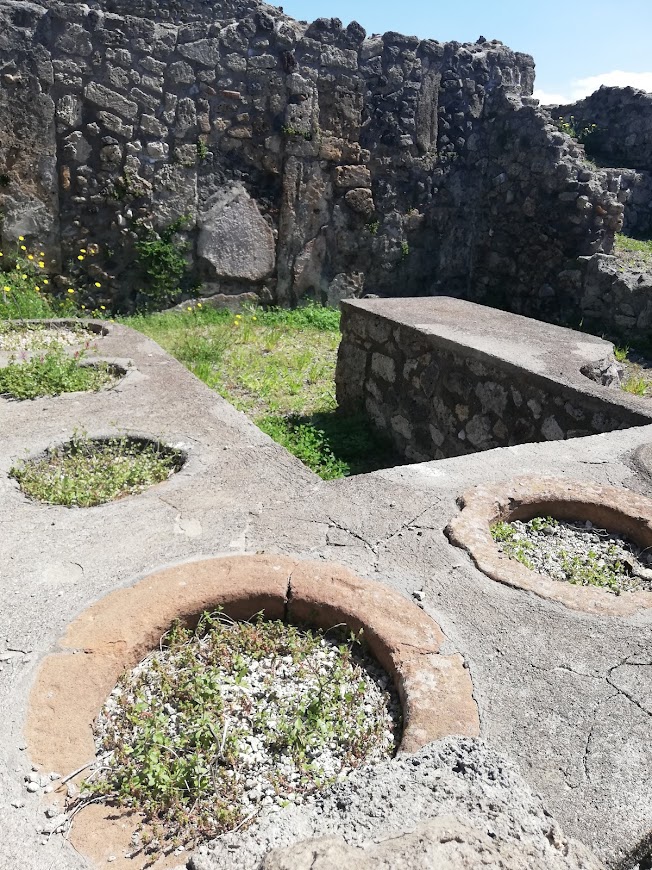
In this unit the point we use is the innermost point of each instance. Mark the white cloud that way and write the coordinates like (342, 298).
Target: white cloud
(580, 88)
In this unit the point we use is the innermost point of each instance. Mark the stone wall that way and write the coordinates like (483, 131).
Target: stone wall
(623, 121)
(617, 126)
(307, 160)
(447, 378)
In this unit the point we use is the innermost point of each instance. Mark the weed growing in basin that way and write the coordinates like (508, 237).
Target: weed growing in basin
(576, 553)
(278, 367)
(52, 373)
(512, 543)
(235, 716)
(86, 472)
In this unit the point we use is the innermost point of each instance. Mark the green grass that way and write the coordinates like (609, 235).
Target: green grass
(86, 472)
(176, 736)
(638, 377)
(277, 366)
(50, 374)
(634, 246)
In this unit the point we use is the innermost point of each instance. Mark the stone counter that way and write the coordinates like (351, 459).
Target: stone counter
(444, 377)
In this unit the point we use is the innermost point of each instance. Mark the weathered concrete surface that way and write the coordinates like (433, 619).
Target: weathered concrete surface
(498, 822)
(445, 843)
(562, 693)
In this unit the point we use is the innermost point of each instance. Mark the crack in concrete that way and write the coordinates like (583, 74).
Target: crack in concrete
(565, 667)
(353, 534)
(587, 746)
(624, 692)
(406, 525)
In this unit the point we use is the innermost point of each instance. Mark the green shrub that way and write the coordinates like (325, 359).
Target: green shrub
(162, 263)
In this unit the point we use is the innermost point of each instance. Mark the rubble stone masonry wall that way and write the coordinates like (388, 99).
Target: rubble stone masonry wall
(306, 160)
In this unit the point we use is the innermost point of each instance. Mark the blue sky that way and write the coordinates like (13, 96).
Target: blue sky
(576, 45)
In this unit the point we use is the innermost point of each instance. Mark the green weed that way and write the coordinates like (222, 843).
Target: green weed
(636, 246)
(52, 373)
(177, 733)
(86, 472)
(162, 262)
(278, 367)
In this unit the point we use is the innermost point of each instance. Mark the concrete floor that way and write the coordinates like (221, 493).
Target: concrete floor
(565, 694)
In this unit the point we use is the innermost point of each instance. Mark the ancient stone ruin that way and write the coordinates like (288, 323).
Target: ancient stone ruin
(278, 161)
(297, 161)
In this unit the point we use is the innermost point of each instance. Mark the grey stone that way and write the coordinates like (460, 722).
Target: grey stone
(105, 98)
(204, 51)
(445, 843)
(153, 127)
(75, 40)
(234, 240)
(181, 73)
(76, 147)
(116, 125)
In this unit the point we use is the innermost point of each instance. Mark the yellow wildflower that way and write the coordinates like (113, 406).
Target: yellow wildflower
(21, 238)
(23, 248)
(102, 307)
(38, 289)
(41, 264)
(24, 277)
(80, 257)
(97, 284)
(82, 250)
(30, 256)
(70, 290)
(45, 281)
(7, 289)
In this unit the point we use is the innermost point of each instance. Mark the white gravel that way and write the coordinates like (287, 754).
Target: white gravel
(567, 551)
(27, 339)
(260, 700)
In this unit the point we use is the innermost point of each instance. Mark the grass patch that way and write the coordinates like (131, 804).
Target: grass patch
(634, 246)
(233, 716)
(277, 366)
(52, 373)
(86, 472)
(638, 371)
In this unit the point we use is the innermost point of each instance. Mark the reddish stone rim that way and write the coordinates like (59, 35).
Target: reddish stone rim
(116, 633)
(616, 509)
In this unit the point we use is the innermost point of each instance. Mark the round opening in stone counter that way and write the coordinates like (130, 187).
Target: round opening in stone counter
(267, 708)
(229, 717)
(85, 472)
(26, 336)
(53, 372)
(585, 545)
(576, 552)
